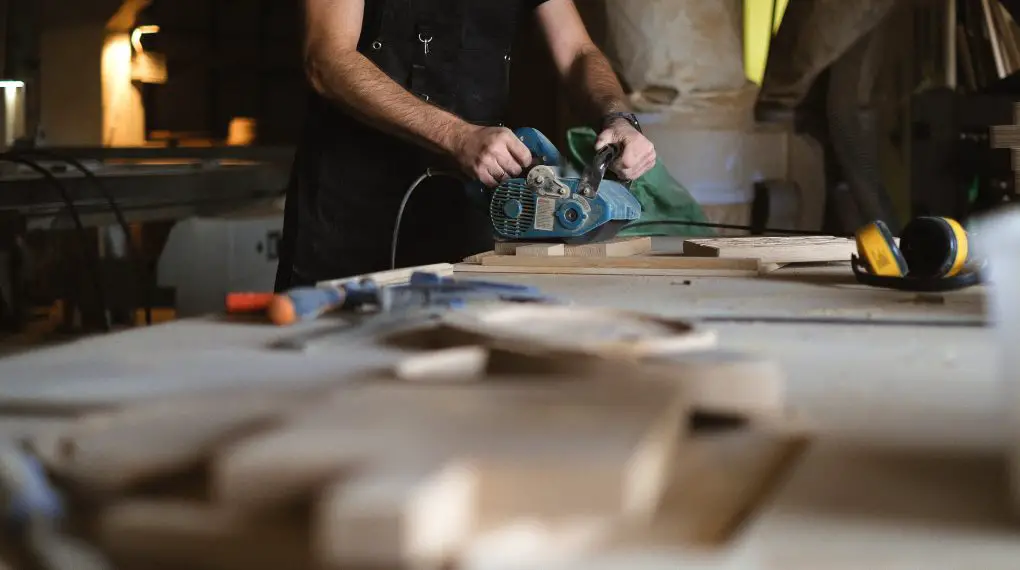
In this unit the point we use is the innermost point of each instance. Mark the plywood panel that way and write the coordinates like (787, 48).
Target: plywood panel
(806, 249)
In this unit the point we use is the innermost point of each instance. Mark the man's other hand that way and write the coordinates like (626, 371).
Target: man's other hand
(638, 152)
(492, 154)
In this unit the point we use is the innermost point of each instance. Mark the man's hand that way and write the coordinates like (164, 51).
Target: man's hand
(638, 156)
(491, 154)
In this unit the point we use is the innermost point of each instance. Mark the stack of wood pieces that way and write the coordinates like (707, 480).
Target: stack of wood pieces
(773, 252)
(419, 465)
(1008, 137)
(712, 257)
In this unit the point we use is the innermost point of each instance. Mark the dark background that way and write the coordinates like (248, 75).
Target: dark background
(242, 58)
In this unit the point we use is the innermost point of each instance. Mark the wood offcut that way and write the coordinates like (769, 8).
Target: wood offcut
(398, 474)
(774, 250)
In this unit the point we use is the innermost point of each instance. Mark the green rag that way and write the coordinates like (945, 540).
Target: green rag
(662, 198)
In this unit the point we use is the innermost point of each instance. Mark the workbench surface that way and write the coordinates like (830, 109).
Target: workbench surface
(868, 370)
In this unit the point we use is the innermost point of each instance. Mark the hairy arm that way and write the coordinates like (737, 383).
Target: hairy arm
(580, 63)
(338, 72)
(587, 73)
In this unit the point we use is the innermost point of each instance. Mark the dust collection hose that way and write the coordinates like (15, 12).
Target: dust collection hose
(854, 132)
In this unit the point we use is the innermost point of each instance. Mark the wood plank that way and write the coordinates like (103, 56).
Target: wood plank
(405, 516)
(534, 434)
(167, 533)
(768, 249)
(530, 332)
(540, 250)
(1005, 136)
(719, 482)
(718, 485)
(621, 247)
(727, 382)
(477, 258)
(468, 268)
(111, 453)
(749, 266)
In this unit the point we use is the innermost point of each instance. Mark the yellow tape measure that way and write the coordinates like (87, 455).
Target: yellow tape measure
(931, 256)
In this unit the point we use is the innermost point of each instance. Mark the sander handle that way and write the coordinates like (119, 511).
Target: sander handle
(596, 172)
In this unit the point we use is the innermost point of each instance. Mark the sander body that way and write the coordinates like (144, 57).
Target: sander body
(542, 206)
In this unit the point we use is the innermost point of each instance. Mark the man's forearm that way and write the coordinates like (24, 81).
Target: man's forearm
(596, 84)
(351, 80)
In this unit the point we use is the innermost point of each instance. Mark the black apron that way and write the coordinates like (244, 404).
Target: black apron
(349, 178)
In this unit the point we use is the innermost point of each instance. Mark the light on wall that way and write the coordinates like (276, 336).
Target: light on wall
(12, 112)
(136, 36)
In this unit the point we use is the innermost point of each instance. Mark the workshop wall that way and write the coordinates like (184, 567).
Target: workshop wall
(242, 58)
(227, 59)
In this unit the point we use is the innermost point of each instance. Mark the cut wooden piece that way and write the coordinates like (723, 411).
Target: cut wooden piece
(622, 247)
(726, 270)
(538, 435)
(477, 258)
(537, 543)
(601, 331)
(117, 451)
(793, 249)
(457, 364)
(395, 277)
(396, 517)
(284, 468)
(541, 250)
(719, 481)
(729, 382)
(691, 264)
(146, 534)
(626, 472)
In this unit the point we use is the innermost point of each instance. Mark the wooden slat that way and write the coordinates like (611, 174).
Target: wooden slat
(622, 247)
(639, 262)
(540, 250)
(722, 271)
(1005, 136)
(806, 249)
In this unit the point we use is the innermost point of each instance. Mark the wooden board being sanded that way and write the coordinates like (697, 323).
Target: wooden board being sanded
(623, 256)
(621, 247)
(779, 250)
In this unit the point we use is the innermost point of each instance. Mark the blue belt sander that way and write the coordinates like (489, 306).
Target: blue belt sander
(542, 206)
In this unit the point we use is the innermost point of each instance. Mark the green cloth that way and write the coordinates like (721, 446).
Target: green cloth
(661, 196)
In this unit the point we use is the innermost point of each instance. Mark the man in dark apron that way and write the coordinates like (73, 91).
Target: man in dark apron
(402, 86)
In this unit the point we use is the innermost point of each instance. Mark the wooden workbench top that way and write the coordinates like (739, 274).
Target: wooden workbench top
(865, 367)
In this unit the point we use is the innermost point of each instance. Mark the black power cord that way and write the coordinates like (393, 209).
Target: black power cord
(96, 269)
(403, 206)
(134, 250)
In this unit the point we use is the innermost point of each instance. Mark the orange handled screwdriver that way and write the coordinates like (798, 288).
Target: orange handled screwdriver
(305, 304)
(247, 303)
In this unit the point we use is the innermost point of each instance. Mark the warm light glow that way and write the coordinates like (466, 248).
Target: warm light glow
(14, 110)
(136, 36)
(123, 112)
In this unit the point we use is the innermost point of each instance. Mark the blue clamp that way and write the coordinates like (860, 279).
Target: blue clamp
(434, 283)
(26, 490)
